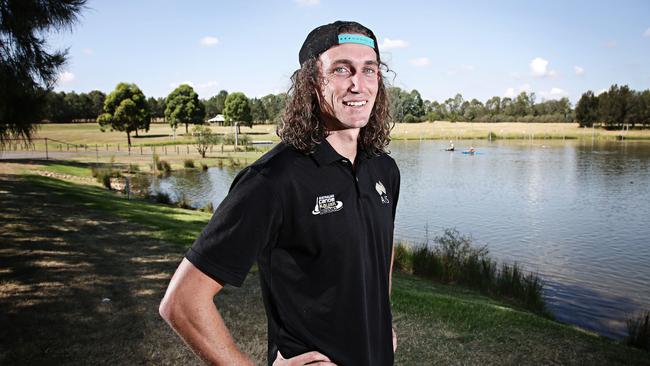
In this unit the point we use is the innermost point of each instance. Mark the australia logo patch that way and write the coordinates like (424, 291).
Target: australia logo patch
(327, 204)
(381, 190)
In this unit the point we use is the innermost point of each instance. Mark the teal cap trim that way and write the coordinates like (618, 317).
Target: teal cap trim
(355, 38)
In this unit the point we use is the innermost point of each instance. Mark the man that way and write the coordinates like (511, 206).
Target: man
(316, 213)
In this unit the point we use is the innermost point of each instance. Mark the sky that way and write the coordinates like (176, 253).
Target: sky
(477, 48)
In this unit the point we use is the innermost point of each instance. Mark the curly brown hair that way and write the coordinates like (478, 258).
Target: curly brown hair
(301, 127)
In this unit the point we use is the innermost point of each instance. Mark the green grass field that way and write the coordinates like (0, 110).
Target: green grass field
(68, 245)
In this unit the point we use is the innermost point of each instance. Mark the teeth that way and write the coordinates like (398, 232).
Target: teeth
(356, 104)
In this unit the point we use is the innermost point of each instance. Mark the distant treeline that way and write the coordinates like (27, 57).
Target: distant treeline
(613, 109)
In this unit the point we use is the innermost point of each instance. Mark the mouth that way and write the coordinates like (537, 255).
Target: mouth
(355, 103)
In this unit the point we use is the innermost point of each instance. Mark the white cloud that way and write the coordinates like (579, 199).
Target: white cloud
(512, 92)
(88, 51)
(539, 68)
(420, 62)
(307, 2)
(209, 41)
(579, 70)
(647, 33)
(554, 93)
(66, 77)
(390, 44)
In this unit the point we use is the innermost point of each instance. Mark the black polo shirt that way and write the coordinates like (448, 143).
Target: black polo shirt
(321, 232)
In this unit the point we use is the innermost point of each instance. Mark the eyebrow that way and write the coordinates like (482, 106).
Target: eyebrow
(349, 62)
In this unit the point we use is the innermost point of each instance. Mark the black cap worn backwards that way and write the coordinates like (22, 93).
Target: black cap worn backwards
(329, 35)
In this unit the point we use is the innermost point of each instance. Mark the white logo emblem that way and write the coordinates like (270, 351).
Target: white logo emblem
(326, 204)
(381, 190)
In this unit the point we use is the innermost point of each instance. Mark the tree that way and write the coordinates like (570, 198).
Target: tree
(97, 99)
(587, 109)
(204, 139)
(215, 104)
(156, 107)
(125, 110)
(237, 109)
(274, 106)
(183, 106)
(28, 69)
(258, 113)
(493, 106)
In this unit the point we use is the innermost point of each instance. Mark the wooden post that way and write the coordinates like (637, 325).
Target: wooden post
(46, 152)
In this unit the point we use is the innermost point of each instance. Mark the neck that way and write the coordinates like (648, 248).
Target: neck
(344, 142)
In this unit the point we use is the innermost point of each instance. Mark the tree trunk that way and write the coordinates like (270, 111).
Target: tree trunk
(136, 133)
(128, 136)
(186, 128)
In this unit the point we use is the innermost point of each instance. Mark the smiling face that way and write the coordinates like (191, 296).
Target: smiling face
(350, 80)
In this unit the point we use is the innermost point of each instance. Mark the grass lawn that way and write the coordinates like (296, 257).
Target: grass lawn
(68, 247)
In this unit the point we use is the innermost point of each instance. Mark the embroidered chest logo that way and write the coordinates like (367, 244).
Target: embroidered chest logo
(326, 204)
(381, 190)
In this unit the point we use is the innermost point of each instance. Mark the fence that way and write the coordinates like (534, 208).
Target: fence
(47, 148)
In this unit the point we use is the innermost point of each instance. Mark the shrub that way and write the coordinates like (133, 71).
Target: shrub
(207, 208)
(163, 166)
(184, 202)
(162, 197)
(492, 136)
(453, 259)
(104, 175)
(204, 166)
(188, 163)
(403, 260)
(638, 332)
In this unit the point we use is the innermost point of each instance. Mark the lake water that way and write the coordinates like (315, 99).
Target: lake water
(575, 212)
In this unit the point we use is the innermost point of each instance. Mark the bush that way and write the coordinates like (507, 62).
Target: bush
(204, 166)
(162, 197)
(453, 259)
(163, 166)
(104, 175)
(188, 163)
(638, 332)
(207, 208)
(492, 136)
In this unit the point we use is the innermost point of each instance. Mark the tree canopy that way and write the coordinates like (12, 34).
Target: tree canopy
(126, 110)
(237, 109)
(27, 67)
(183, 106)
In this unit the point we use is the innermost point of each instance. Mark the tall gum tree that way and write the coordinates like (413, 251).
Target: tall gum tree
(183, 106)
(125, 110)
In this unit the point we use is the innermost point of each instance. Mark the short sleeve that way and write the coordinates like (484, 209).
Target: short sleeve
(396, 187)
(246, 221)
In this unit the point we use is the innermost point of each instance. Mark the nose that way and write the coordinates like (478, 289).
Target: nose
(357, 83)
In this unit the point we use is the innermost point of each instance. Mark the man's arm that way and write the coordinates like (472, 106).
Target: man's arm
(188, 307)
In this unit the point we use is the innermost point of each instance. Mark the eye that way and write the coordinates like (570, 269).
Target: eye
(369, 71)
(341, 70)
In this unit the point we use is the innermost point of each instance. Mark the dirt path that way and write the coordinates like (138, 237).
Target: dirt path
(78, 286)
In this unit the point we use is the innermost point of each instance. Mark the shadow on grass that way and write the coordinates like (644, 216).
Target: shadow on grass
(83, 272)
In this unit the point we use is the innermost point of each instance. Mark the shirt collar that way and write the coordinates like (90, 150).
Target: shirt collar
(325, 154)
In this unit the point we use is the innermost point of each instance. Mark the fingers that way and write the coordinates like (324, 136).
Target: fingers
(311, 357)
